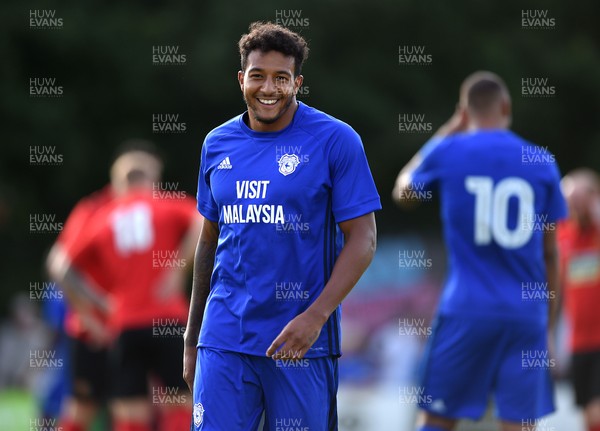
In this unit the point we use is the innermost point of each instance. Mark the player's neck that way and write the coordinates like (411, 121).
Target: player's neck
(488, 124)
(280, 124)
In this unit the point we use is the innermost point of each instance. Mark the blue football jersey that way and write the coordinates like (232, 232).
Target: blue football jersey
(278, 197)
(498, 194)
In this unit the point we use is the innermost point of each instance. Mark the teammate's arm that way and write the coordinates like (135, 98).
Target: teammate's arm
(204, 261)
(82, 297)
(360, 237)
(76, 287)
(459, 122)
(403, 181)
(456, 124)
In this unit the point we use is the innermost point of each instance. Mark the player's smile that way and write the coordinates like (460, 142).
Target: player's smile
(270, 107)
(268, 102)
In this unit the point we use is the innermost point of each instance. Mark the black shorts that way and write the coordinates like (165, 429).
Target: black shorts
(585, 373)
(141, 354)
(89, 372)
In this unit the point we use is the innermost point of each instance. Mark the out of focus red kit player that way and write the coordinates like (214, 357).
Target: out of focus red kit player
(580, 264)
(89, 355)
(128, 261)
(136, 244)
(579, 240)
(127, 247)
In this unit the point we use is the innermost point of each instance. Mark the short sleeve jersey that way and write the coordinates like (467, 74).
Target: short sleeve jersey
(133, 242)
(498, 195)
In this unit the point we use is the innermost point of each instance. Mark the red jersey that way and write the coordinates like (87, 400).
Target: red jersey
(580, 275)
(72, 236)
(133, 242)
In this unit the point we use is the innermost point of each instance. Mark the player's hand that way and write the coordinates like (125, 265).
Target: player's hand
(98, 333)
(170, 283)
(189, 365)
(459, 122)
(296, 338)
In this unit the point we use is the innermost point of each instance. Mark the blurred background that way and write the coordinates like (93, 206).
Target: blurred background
(77, 78)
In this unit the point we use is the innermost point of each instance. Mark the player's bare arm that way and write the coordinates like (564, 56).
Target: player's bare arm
(459, 122)
(77, 288)
(174, 278)
(204, 261)
(81, 292)
(190, 240)
(456, 124)
(403, 180)
(360, 238)
(80, 295)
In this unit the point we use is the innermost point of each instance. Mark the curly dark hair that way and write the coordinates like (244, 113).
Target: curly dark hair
(266, 36)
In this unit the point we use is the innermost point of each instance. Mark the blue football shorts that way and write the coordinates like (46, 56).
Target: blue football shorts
(232, 390)
(468, 360)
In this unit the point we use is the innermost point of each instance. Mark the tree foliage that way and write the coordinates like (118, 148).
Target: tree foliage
(102, 57)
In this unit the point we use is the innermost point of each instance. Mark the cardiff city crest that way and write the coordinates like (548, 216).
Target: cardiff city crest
(198, 414)
(288, 163)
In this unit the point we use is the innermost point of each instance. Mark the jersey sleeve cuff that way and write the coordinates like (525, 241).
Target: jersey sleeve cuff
(208, 212)
(357, 210)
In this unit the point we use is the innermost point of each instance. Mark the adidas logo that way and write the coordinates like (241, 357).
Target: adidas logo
(225, 164)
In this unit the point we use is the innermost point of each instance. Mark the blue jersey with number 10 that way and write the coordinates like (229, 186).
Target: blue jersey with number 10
(277, 198)
(498, 195)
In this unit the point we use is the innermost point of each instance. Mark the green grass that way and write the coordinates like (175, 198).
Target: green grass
(17, 409)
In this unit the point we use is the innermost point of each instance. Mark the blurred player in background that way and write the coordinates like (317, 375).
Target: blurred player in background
(491, 201)
(579, 241)
(86, 329)
(20, 334)
(136, 242)
(260, 347)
